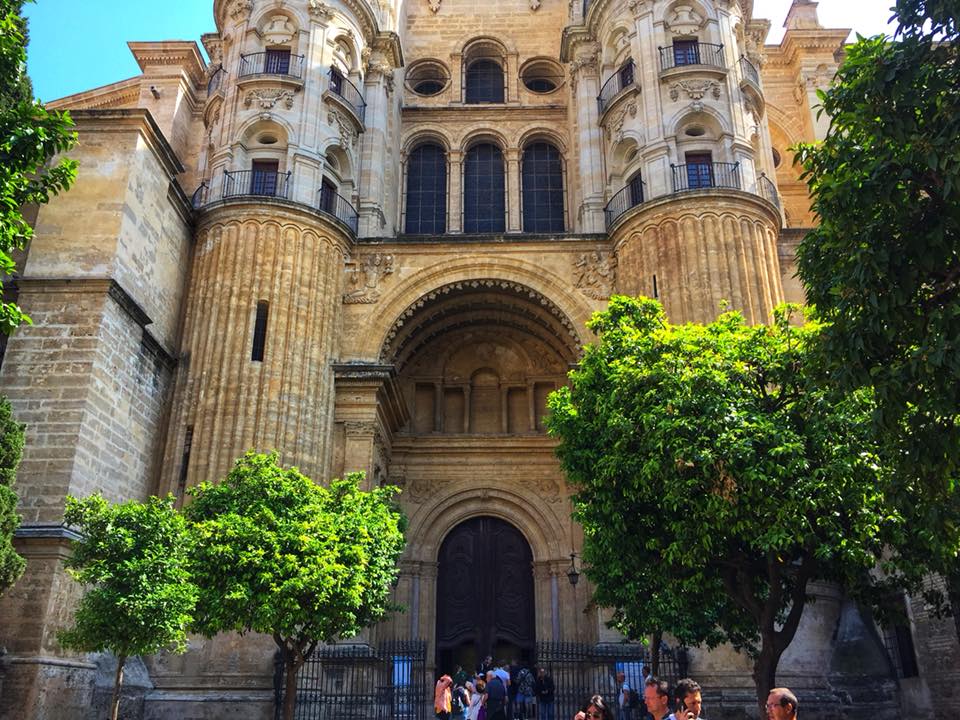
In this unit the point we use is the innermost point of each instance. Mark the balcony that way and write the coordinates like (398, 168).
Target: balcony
(750, 84)
(691, 53)
(215, 83)
(339, 208)
(629, 197)
(701, 175)
(273, 63)
(616, 84)
(348, 95)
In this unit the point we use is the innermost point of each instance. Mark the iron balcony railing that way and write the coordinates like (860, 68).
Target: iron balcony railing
(749, 71)
(258, 183)
(199, 198)
(691, 53)
(620, 80)
(216, 80)
(339, 207)
(341, 86)
(272, 63)
(767, 190)
(700, 175)
(629, 197)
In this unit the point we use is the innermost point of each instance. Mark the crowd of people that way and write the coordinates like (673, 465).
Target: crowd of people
(500, 692)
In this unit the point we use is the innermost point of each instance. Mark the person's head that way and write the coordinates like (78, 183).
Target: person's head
(620, 676)
(488, 659)
(656, 696)
(446, 680)
(645, 671)
(458, 670)
(480, 685)
(687, 694)
(597, 709)
(781, 704)
(490, 675)
(541, 671)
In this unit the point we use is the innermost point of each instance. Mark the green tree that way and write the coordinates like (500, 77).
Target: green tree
(30, 138)
(11, 450)
(715, 479)
(277, 554)
(883, 267)
(133, 558)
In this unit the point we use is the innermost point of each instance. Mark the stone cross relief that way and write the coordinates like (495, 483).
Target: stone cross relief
(594, 274)
(366, 275)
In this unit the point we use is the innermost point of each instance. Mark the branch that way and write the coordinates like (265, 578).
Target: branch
(798, 600)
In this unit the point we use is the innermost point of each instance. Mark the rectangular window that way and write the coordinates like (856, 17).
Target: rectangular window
(260, 332)
(328, 197)
(336, 81)
(277, 61)
(699, 170)
(263, 177)
(686, 52)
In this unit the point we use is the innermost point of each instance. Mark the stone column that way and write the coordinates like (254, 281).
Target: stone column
(514, 224)
(378, 92)
(455, 193)
(585, 81)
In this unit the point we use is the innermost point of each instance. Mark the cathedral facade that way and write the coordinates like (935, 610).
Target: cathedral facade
(368, 234)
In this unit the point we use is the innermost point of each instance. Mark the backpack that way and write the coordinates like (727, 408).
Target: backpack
(456, 702)
(633, 700)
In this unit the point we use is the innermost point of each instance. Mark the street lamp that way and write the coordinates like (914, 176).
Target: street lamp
(572, 575)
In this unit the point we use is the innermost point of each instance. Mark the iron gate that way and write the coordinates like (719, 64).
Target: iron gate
(580, 671)
(360, 682)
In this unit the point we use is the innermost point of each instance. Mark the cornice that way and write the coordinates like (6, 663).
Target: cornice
(799, 42)
(181, 54)
(114, 94)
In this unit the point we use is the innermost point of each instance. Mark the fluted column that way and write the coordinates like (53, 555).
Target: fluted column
(585, 79)
(374, 150)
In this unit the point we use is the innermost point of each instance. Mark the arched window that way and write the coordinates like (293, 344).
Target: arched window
(485, 82)
(427, 191)
(484, 207)
(542, 188)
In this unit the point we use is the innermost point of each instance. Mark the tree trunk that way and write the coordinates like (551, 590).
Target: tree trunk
(117, 684)
(765, 672)
(290, 685)
(655, 641)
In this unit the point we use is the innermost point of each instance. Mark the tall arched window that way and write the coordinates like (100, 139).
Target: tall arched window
(542, 189)
(484, 207)
(484, 82)
(427, 191)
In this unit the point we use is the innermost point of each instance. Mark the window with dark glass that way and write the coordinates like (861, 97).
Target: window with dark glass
(277, 61)
(484, 205)
(263, 177)
(328, 196)
(485, 82)
(336, 81)
(428, 87)
(542, 188)
(636, 190)
(626, 74)
(260, 332)
(699, 170)
(426, 191)
(686, 52)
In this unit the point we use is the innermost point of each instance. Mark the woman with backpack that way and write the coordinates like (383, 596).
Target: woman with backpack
(459, 703)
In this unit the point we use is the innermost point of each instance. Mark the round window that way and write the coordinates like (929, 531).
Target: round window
(541, 76)
(427, 78)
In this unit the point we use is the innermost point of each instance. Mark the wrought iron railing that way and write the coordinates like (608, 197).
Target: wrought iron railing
(341, 85)
(271, 63)
(691, 53)
(767, 190)
(259, 183)
(621, 79)
(628, 197)
(700, 175)
(199, 198)
(216, 81)
(749, 71)
(338, 207)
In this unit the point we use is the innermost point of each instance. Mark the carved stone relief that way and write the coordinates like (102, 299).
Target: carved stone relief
(267, 99)
(434, 5)
(695, 89)
(321, 10)
(348, 136)
(615, 128)
(594, 274)
(366, 275)
(241, 9)
(684, 20)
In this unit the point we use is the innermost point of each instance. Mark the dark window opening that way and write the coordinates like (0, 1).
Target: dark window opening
(427, 191)
(263, 177)
(328, 196)
(636, 190)
(898, 641)
(428, 87)
(626, 74)
(185, 461)
(686, 52)
(484, 205)
(540, 85)
(277, 61)
(260, 332)
(336, 81)
(699, 170)
(542, 189)
(484, 82)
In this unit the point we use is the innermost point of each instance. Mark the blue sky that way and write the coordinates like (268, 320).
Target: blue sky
(76, 46)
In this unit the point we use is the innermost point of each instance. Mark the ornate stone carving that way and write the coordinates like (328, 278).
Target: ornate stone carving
(684, 20)
(637, 7)
(267, 99)
(695, 89)
(615, 128)
(241, 9)
(587, 62)
(420, 489)
(366, 277)
(321, 10)
(434, 5)
(534, 4)
(279, 30)
(348, 135)
(594, 274)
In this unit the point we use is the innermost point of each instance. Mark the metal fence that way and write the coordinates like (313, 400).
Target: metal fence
(580, 671)
(700, 175)
(749, 71)
(629, 197)
(359, 682)
(615, 84)
(271, 63)
(337, 206)
(262, 183)
(686, 52)
(341, 85)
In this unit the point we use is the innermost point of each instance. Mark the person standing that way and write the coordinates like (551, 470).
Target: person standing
(623, 696)
(525, 694)
(459, 703)
(782, 704)
(689, 702)
(656, 695)
(441, 697)
(460, 677)
(495, 698)
(543, 687)
(476, 701)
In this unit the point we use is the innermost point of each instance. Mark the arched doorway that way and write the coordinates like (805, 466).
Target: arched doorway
(484, 594)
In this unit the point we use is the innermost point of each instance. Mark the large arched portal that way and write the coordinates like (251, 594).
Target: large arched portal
(485, 594)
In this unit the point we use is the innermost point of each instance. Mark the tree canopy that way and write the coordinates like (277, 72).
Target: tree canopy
(883, 266)
(275, 553)
(715, 477)
(30, 138)
(139, 596)
(11, 450)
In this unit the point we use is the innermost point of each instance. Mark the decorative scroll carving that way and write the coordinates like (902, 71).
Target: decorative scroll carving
(588, 62)
(241, 9)
(320, 9)
(594, 274)
(266, 99)
(637, 7)
(279, 30)
(684, 20)
(366, 278)
(348, 136)
(615, 128)
(695, 89)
